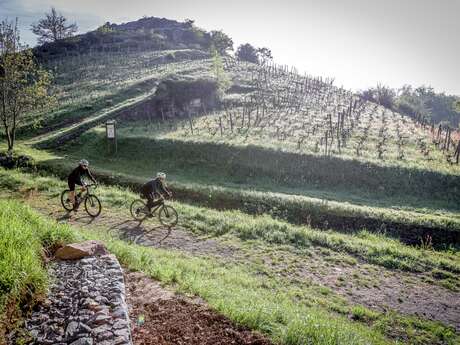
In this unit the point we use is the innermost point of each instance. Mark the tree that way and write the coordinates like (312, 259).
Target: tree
(53, 27)
(385, 96)
(247, 52)
(23, 85)
(106, 28)
(264, 54)
(382, 95)
(221, 42)
(457, 106)
(222, 79)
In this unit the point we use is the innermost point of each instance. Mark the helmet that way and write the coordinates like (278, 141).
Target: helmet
(84, 162)
(161, 175)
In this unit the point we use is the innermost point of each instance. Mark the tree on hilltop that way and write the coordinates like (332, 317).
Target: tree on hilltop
(221, 42)
(264, 54)
(53, 27)
(23, 84)
(247, 52)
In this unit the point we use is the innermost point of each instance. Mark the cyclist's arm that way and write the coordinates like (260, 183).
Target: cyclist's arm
(164, 189)
(90, 176)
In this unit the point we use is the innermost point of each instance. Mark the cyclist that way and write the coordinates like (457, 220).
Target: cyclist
(75, 178)
(155, 189)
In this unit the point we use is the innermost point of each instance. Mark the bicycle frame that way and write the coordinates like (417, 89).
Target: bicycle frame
(83, 194)
(157, 207)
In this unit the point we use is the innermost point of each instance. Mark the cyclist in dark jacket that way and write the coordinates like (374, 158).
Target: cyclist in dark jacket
(155, 189)
(75, 178)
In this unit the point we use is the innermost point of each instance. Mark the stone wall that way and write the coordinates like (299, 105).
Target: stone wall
(85, 305)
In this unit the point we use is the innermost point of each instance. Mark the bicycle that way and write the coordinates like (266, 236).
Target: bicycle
(92, 204)
(167, 215)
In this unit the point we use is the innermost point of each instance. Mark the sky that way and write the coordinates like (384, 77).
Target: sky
(358, 42)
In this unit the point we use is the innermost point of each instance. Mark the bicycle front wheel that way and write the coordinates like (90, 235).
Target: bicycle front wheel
(93, 206)
(168, 216)
(65, 200)
(138, 210)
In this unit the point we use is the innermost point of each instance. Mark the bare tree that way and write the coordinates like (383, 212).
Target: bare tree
(53, 27)
(23, 84)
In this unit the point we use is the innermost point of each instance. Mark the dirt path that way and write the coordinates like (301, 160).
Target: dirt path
(358, 282)
(158, 317)
(87, 122)
(373, 286)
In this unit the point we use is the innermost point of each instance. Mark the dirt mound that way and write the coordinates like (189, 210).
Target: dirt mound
(175, 320)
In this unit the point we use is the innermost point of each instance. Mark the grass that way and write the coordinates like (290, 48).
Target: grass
(287, 311)
(376, 249)
(24, 239)
(205, 182)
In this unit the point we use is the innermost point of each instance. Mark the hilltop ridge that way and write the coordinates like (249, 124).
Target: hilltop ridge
(148, 33)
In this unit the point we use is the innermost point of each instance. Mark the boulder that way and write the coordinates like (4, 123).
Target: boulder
(75, 251)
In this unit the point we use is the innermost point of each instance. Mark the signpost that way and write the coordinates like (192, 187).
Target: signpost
(111, 134)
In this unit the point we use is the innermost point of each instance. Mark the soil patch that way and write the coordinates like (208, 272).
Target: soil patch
(159, 317)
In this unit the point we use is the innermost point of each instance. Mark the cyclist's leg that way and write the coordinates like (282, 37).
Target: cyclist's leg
(72, 191)
(159, 199)
(76, 204)
(150, 201)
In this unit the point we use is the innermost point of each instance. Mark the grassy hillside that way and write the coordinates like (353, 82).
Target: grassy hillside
(301, 176)
(25, 240)
(258, 286)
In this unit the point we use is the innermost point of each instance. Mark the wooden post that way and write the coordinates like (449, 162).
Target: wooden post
(111, 135)
(457, 152)
(190, 121)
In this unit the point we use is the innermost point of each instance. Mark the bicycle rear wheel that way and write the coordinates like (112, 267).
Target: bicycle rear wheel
(65, 200)
(168, 216)
(93, 206)
(138, 210)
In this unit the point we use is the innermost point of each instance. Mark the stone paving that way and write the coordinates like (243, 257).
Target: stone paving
(85, 305)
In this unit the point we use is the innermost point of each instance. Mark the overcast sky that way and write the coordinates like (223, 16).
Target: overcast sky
(358, 42)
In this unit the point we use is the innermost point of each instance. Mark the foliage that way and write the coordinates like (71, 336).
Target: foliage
(424, 101)
(53, 27)
(382, 95)
(247, 52)
(264, 54)
(221, 42)
(24, 238)
(23, 85)
(105, 28)
(222, 79)
(421, 103)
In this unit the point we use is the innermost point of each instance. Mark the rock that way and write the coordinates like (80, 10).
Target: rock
(76, 251)
(101, 319)
(86, 304)
(72, 330)
(83, 341)
(121, 341)
(105, 335)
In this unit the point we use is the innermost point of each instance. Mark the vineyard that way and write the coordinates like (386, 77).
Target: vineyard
(285, 110)
(306, 212)
(86, 83)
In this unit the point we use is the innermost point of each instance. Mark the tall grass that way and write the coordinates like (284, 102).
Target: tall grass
(23, 238)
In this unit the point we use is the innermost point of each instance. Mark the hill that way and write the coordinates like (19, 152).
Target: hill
(297, 174)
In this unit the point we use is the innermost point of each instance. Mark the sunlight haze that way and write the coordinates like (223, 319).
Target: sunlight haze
(358, 42)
